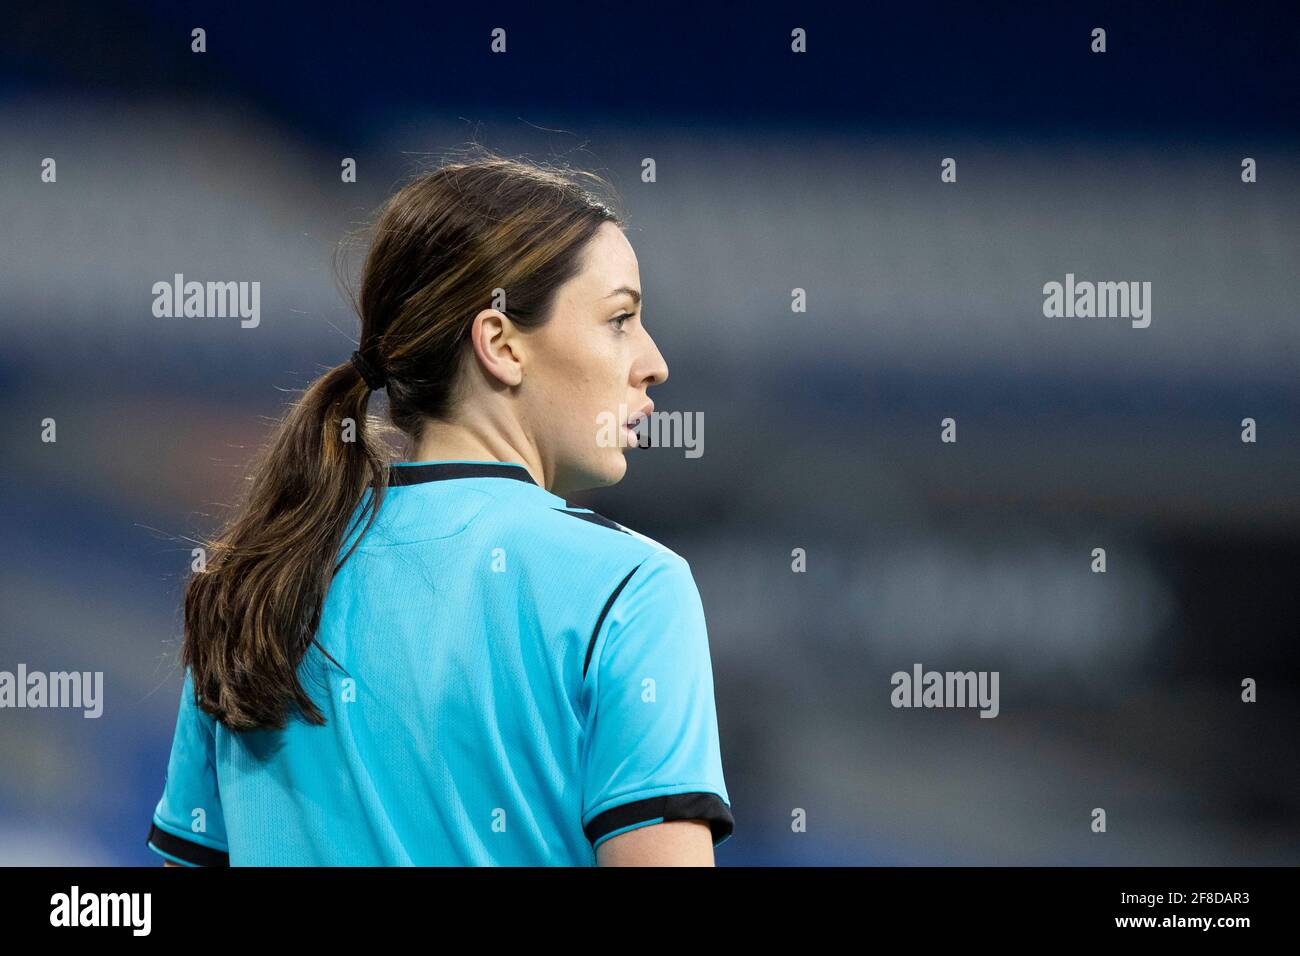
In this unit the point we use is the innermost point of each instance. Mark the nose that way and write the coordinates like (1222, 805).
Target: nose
(654, 370)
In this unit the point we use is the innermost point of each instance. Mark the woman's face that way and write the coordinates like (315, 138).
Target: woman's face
(588, 369)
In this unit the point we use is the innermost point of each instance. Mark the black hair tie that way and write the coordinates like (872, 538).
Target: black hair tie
(374, 379)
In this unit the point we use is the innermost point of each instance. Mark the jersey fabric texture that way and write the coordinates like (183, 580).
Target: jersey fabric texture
(517, 680)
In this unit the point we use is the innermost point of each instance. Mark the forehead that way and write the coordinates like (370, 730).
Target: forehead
(608, 262)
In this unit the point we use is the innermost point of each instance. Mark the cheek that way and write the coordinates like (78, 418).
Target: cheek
(582, 376)
(592, 370)
(592, 384)
(595, 397)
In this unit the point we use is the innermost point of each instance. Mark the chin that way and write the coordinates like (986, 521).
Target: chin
(612, 468)
(602, 472)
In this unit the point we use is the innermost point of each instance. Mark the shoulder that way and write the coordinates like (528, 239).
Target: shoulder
(567, 531)
(586, 560)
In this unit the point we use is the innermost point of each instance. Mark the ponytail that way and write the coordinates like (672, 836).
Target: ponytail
(251, 615)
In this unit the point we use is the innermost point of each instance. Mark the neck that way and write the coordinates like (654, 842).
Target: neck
(456, 441)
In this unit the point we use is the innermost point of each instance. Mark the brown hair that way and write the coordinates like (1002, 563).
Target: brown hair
(439, 248)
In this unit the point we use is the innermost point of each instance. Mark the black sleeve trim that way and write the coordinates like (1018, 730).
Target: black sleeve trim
(591, 644)
(186, 850)
(707, 807)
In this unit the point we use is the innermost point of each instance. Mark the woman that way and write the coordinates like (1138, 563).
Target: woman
(440, 661)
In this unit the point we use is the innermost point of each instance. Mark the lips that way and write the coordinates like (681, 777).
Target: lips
(634, 420)
(644, 412)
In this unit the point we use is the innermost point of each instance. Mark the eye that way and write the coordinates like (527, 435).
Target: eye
(621, 320)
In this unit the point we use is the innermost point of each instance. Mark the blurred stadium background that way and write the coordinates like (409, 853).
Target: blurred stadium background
(775, 171)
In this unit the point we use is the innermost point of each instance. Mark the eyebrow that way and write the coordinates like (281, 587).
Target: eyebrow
(626, 290)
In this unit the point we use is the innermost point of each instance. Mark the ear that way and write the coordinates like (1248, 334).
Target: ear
(497, 344)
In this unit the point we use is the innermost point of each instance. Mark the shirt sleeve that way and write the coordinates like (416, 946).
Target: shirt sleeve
(650, 750)
(188, 826)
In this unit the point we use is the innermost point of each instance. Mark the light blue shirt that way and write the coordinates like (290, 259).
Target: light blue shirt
(518, 680)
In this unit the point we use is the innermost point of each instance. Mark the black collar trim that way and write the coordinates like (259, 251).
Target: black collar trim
(399, 475)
